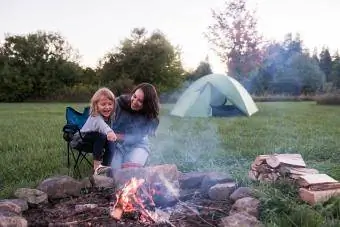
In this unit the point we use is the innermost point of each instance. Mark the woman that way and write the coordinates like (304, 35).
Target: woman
(136, 117)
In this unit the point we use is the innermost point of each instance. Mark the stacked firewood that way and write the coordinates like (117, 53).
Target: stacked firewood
(314, 186)
(269, 168)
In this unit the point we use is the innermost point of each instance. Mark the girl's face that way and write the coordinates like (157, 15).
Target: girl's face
(105, 106)
(137, 100)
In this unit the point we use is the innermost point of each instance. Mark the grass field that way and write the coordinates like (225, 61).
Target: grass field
(32, 148)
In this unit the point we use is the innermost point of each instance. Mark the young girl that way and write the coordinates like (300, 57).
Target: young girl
(96, 129)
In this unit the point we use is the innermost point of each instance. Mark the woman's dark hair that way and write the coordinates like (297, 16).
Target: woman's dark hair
(151, 100)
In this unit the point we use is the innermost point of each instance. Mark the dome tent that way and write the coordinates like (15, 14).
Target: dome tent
(214, 95)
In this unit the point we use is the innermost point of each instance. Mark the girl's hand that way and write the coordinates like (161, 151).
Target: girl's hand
(111, 136)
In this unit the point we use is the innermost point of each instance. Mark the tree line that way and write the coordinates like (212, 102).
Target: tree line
(264, 66)
(44, 66)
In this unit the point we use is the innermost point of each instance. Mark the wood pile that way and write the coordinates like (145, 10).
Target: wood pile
(314, 186)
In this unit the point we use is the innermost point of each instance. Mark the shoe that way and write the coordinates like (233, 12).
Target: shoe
(102, 170)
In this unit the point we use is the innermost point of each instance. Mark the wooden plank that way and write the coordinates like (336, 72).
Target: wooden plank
(313, 197)
(284, 170)
(310, 179)
(274, 161)
(326, 186)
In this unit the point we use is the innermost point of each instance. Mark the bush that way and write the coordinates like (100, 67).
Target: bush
(328, 99)
(77, 93)
(281, 98)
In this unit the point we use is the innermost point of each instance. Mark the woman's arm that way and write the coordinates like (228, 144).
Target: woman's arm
(138, 133)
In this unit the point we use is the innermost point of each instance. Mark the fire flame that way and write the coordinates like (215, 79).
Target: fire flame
(129, 200)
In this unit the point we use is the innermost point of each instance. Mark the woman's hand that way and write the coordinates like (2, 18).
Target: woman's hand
(111, 136)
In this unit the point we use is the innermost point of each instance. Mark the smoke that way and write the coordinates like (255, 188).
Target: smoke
(190, 143)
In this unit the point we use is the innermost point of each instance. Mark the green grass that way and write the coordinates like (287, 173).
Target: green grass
(32, 148)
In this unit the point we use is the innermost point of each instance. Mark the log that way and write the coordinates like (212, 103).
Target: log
(264, 168)
(276, 160)
(294, 176)
(116, 213)
(254, 167)
(252, 175)
(311, 179)
(286, 170)
(326, 186)
(259, 160)
(313, 197)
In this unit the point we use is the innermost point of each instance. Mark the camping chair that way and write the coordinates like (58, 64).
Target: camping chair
(74, 122)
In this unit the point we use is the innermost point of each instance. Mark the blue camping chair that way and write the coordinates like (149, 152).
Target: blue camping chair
(74, 122)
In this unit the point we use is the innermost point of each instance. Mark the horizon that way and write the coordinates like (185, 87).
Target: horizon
(94, 29)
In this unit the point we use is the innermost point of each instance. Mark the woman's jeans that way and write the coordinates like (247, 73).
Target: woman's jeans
(124, 155)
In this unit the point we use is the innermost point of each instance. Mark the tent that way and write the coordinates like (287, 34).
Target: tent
(214, 95)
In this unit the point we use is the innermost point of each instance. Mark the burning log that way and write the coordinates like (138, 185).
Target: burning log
(137, 196)
(128, 200)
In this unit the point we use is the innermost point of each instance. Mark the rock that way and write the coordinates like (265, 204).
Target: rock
(191, 180)
(102, 181)
(9, 206)
(151, 174)
(86, 183)
(20, 202)
(247, 204)
(221, 191)
(11, 219)
(165, 195)
(60, 187)
(186, 194)
(213, 178)
(240, 193)
(32, 196)
(84, 207)
(240, 219)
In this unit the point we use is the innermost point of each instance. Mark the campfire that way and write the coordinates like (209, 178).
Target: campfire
(141, 199)
(155, 196)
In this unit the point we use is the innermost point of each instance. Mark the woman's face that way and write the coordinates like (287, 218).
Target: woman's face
(137, 100)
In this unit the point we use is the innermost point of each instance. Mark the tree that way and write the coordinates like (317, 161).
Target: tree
(335, 74)
(235, 38)
(202, 69)
(326, 63)
(315, 56)
(34, 64)
(308, 74)
(142, 58)
(90, 76)
(292, 46)
(286, 68)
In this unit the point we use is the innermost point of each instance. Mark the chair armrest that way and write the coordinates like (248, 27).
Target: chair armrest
(69, 130)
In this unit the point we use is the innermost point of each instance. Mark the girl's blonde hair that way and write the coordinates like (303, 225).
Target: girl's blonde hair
(96, 97)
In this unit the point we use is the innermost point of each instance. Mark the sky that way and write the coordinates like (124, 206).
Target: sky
(96, 27)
